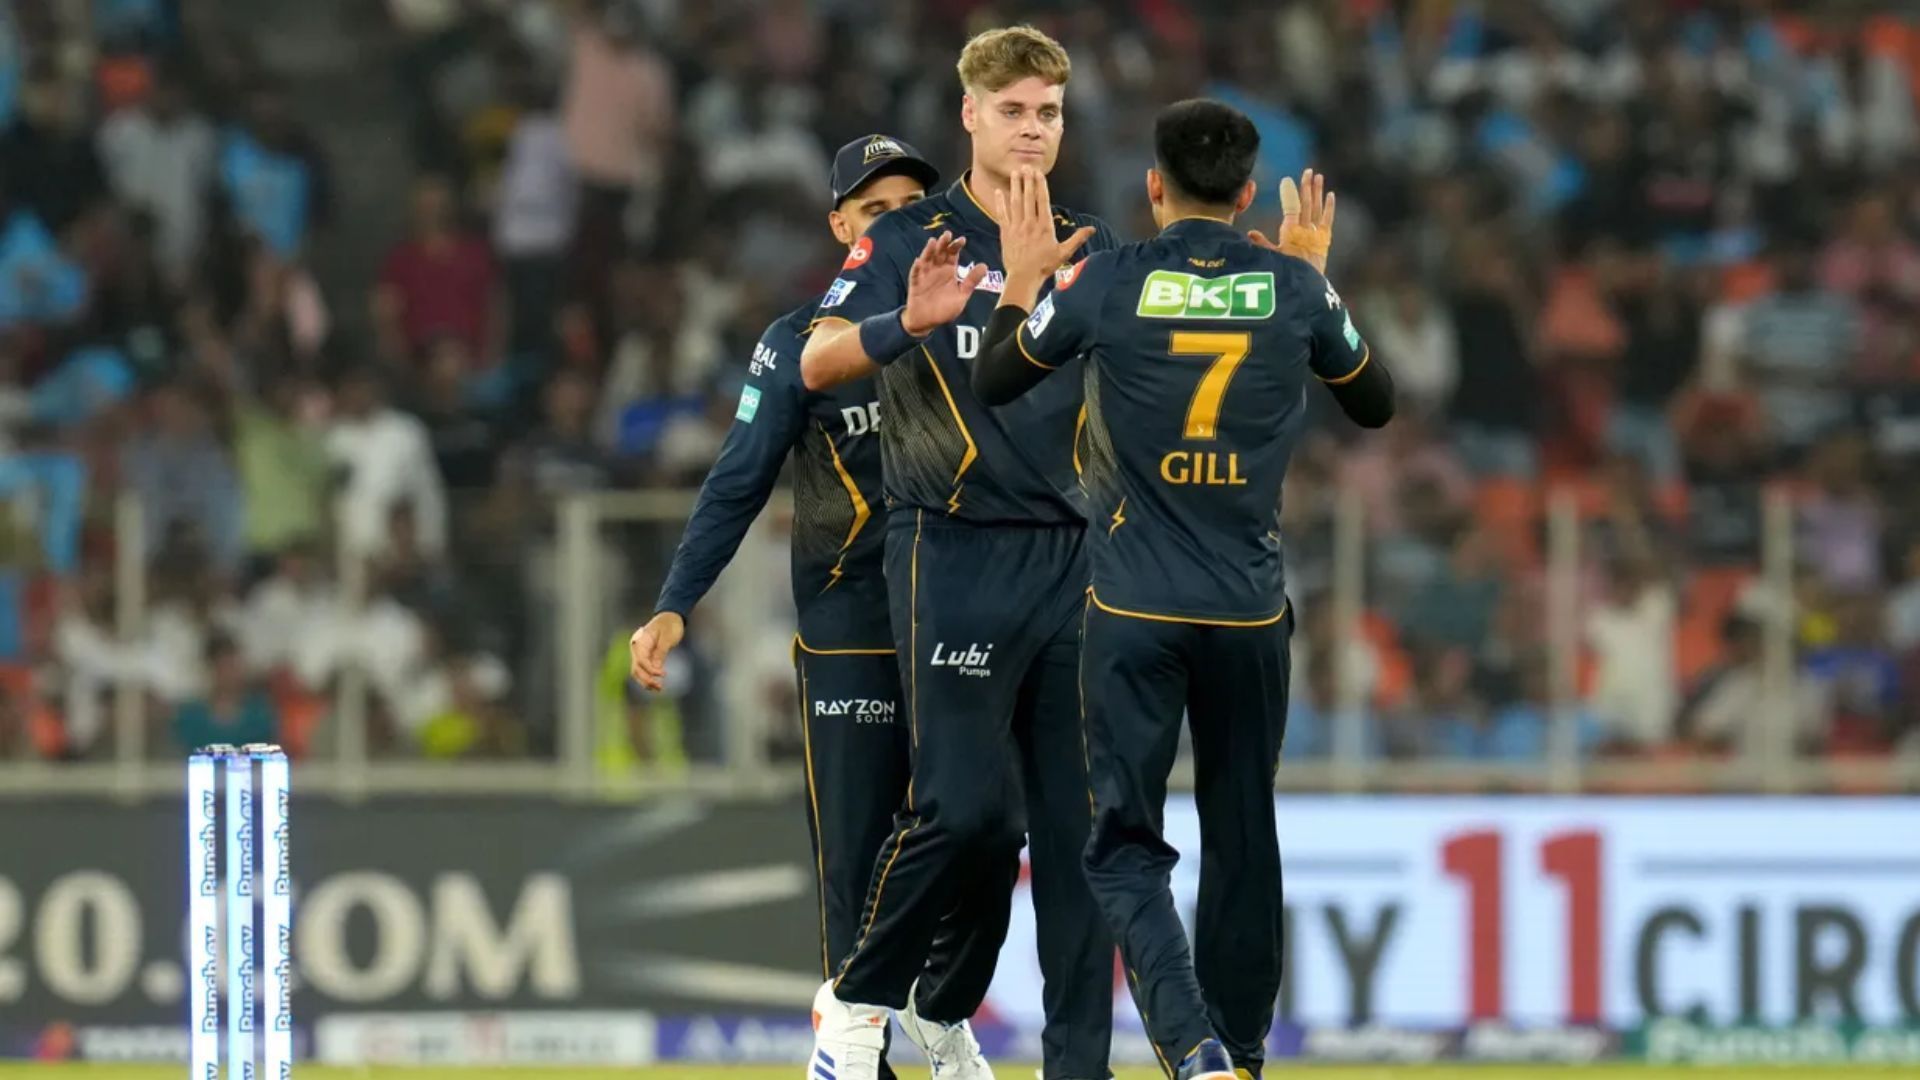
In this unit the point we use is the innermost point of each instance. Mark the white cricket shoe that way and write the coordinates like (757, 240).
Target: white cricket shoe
(847, 1039)
(950, 1048)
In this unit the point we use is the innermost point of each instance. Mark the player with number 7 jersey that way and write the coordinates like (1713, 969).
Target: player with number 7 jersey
(1199, 346)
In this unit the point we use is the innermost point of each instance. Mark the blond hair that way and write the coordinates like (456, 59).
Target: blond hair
(996, 59)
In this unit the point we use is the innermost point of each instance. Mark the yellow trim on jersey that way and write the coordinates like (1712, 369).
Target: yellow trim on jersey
(1119, 519)
(1079, 425)
(818, 319)
(811, 651)
(1151, 617)
(1031, 359)
(913, 719)
(913, 645)
(879, 889)
(1351, 375)
(973, 451)
(1086, 754)
(861, 512)
(813, 801)
(1134, 977)
(967, 186)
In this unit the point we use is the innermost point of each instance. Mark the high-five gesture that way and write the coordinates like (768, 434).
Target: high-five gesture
(1028, 244)
(1306, 222)
(936, 290)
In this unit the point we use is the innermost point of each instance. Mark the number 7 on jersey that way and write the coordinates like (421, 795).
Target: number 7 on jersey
(1228, 351)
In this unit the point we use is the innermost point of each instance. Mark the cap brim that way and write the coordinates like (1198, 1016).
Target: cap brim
(899, 166)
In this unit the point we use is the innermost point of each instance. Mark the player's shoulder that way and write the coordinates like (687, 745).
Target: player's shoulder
(1067, 219)
(915, 221)
(791, 328)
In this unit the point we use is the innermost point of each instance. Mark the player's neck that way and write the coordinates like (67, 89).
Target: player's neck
(987, 187)
(1178, 214)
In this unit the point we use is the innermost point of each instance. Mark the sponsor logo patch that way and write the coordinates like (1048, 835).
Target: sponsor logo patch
(862, 251)
(1169, 294)
(837, 293)
(763, 359)
(749, 404)
(1042, 315)
(972, 660)
(995, 281)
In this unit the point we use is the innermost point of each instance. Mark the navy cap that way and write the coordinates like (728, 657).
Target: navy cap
(871, 155)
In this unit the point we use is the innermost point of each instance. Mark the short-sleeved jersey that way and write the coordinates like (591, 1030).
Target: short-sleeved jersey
(1199, 349)
(945, 452)
(833, 437)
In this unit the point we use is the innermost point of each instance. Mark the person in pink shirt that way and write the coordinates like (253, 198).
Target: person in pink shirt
(618, 117)
(439, 282)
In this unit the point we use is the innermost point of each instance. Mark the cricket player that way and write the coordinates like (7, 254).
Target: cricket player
(1199, 345)
(986, 569)
(855, 742)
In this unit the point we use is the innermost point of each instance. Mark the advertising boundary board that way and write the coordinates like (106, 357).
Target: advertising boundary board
(1404, 915)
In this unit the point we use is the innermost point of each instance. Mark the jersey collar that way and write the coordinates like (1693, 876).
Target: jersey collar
(1200, 228)
(971, 205)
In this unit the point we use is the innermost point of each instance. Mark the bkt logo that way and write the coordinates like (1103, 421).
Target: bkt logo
(863, 710)
(972, 662)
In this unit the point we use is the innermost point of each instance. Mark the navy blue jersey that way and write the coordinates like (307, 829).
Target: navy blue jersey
(947, 453)
(1199, 346)
(833, 437)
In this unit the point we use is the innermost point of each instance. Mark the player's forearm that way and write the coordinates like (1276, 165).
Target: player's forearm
(1003, 373)
(1367, 397)
(833, 355)
(721, 517)
(1022, 292)
(839, 351)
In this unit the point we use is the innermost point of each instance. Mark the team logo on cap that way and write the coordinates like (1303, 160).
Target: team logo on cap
(881, 147)
(861, 252)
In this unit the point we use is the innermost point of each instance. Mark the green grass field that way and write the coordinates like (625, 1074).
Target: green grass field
(1279, 1071)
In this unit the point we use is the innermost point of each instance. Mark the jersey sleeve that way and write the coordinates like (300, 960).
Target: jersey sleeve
(1063, 323)
(770, 417)
(1336, 350)
(873, 279)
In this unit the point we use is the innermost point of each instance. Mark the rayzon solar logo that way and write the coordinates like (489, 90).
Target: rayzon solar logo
(1169, 294)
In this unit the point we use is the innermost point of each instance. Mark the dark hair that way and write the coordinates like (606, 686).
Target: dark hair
(1205, 149)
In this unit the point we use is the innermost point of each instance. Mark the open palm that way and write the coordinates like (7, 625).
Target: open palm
(1306, 220)
(936, 290)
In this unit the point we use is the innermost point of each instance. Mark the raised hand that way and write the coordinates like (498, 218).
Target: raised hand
(1306, 220)
(1028, 245)
(936, 291)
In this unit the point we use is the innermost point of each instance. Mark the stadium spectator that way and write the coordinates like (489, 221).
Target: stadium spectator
(1664, 257)
(161, 156)
(386, 458)
(233, 710)
(185, 477)
(441, 282)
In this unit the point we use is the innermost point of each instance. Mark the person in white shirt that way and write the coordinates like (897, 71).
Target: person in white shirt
(386, 458)
(161, 158)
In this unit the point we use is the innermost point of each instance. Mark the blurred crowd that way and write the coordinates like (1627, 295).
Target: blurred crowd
(1659, 254)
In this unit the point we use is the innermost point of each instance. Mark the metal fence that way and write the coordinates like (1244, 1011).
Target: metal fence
(589, 613)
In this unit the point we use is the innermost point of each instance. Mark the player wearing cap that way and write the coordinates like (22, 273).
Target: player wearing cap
(1199, 345)
(856, 747)
(985, 571)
